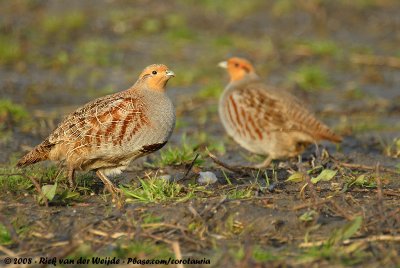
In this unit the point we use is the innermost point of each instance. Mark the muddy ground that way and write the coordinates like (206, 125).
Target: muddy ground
(341, 57)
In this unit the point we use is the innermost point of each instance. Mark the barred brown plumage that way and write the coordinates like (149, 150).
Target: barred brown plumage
(264, 120)
(106, 134)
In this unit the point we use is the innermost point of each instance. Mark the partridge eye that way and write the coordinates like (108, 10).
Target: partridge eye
(154, 72)
(236, 64)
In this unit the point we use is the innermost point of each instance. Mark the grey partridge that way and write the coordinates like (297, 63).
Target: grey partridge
(106, 134)
(264, 120)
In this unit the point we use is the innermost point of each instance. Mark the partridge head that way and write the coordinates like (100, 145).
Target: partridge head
(155, 77)
(238, 68)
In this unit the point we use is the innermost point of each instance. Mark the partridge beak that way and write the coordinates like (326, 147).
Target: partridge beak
(170, 73)
(223, 64)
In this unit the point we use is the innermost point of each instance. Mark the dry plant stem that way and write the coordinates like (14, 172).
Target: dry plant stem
(107, 235)
(168, 241)
(178, 254)
(369, 239)
(197, 216)
(388, 192)
(396, 212)
(71, 247)
(213, 209)
(317, 203)
(163, 224)
(241, 170)
(310, 185)
(183, 231)
(247, 255)
(223, 164)
(157, 238)
(341, 211)
(364, 167)
(190, 167)
(194, 212)
(308, 205)
(314, 194)
(379, 194)
(393, 62)
(39, 190)
(8, 252)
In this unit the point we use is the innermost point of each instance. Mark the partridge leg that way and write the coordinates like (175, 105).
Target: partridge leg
(319, 155)
(109, 185)
(71, 177)
(264, 164)
(299, 159)
(317, 152)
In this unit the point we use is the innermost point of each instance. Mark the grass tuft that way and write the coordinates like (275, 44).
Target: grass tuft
(11, 180)
(11, 112)
(94, 52)
(319, 47)
(175, 156)
(238, 193)
(155, 190)
(11, 115)
(5, 236)
(144, 249)
(10, 50)
(261, 255)
(392, 149)
(61, 26)
(363, 180)
(333, 250)
(212, 91)
(310, 78)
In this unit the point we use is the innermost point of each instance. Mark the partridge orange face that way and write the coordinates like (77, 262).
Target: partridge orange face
(237, 68)
(156, 76)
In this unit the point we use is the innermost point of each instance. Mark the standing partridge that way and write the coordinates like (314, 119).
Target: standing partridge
(264, 120)
(105, 135)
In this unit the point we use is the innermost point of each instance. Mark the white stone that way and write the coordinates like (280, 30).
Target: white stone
(207, 178)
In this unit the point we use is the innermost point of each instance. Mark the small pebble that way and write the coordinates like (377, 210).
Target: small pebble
(207, 178)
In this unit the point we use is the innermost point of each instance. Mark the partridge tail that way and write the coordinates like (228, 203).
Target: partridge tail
(39, 153)
(330, 136)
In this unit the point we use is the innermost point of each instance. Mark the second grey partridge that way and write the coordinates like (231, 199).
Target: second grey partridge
(264, 120)
(105, 135)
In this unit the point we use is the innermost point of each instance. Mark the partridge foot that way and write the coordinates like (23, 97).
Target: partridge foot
(114, 191)
(262, 165)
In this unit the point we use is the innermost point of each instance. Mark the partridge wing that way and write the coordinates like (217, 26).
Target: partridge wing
(261, 110)
(112, 119)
